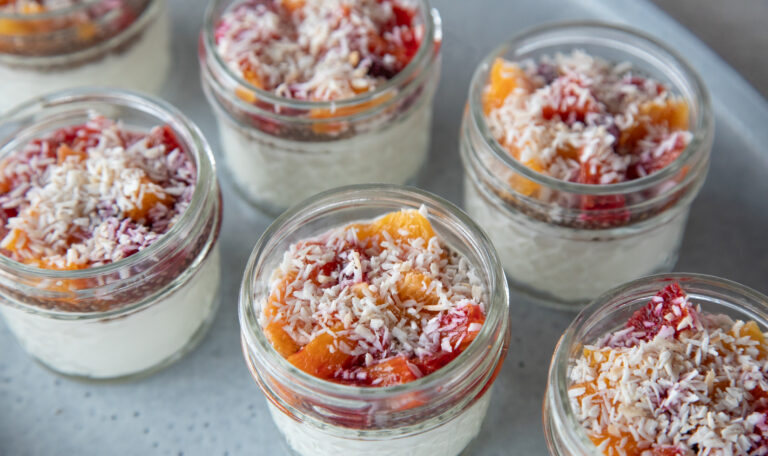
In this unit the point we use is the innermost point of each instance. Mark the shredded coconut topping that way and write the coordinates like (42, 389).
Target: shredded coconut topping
(92, 194)
(319, 49)
(382, 293)
(695, 385)
(582, 119)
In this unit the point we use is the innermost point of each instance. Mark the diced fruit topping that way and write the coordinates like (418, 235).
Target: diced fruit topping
(581, 119)
(505, 78)
(674, 382)
(669, 308)
(375, 303)
(320, 49)
(92, 194)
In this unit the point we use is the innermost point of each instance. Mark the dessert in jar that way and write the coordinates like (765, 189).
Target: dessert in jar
(320, 94)
(583, 146)
(664, 366)
(50, 45)
(110, 215)
(375, 319)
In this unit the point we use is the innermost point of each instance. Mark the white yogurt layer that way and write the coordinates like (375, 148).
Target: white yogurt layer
(143, 66)
(448, 439)
(125, 344)
(277, 173)
(570, 265)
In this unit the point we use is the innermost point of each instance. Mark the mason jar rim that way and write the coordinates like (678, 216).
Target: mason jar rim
(55, 13)
(152, 9)
(651, 47)
(188, 133)
(432, 33)
(557, 401)
(50, 14)
(355, 196)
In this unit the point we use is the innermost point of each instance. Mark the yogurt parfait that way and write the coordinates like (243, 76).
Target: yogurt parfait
(110, 216)
(677, 373)
(320, 94)
(375, 321)
(583, 146)
(49, 45)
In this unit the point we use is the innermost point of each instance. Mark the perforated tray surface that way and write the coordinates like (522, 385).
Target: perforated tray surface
(207, 403)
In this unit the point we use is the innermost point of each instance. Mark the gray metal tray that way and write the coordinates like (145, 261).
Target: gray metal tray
(207, 403)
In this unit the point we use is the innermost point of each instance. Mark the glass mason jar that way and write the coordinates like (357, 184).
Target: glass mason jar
(136, 314)
(122, 43)
(280, 151)
(565, 435)
(444, 410)
(552, 249)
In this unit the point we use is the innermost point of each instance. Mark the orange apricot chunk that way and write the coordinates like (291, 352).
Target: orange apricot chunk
(402, 225)
(15, 240)
(32, 8)
(752, 330)
(414, 285)
(293, 5)
(626, 443)
(673, 113)
(280, 339)
(504, 78)
(392, 371)
(151, 196)
(13, 27)
(246, 94)
(522, 184)
(320, 357)
(87, 31)
(64, 151)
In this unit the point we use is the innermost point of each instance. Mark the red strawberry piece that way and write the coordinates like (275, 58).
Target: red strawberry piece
(670, 308)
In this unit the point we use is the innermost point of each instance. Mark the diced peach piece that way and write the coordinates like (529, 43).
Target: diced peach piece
(393, 371)
(567, 151)
(15, 240)
(414, 286)
(522, 184)
(87, 31)
(752, 330)
(293, 5)
(402, 225)
(152, 196)
(504, 78)
(320, 357)
(13, 27)
(64, 152)
(617, 443)
(280, 339)
(6, 184)
(673, 113)
(278, 295)
(32, 8)
(246, 94)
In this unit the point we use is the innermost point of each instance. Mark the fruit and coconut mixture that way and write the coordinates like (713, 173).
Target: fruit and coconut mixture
(374, 303)
(579, 118)
(92, 194)
(318, 50)
(674, 382)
